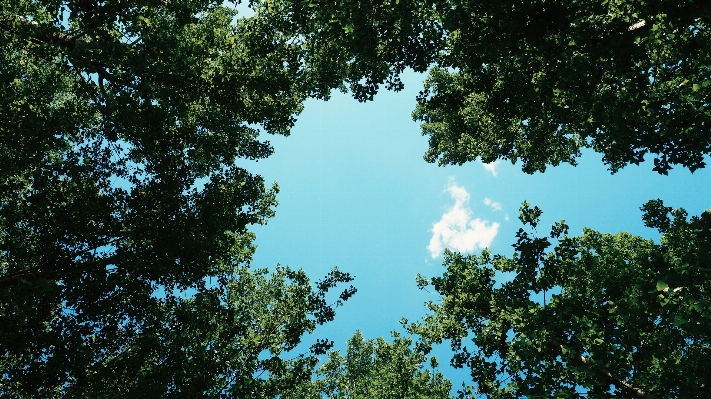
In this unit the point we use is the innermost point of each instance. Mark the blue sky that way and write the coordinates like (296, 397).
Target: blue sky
(357, 194)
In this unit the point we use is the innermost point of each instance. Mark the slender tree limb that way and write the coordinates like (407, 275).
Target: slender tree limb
(43, 35)
(25, 275)
(628, 389)
(30, 275)
(35, 273)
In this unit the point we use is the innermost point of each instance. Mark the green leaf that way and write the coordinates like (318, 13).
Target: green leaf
(661, 285)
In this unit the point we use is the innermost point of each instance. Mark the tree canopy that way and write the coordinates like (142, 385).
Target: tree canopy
(376, 369)
(225, 340)
(537, 81)
(533, 81)
(123, 218)
(588, 316)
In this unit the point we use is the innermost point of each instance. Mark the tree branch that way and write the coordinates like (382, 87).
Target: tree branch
(630, 390)
(31, 275)
(43, 35)
(34, 273)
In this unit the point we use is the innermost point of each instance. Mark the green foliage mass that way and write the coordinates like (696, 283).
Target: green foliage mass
(226, 340)
(533, 81)
(376, 369)
(536, 81)
(124, 242)
(588, 316)
(357, 44)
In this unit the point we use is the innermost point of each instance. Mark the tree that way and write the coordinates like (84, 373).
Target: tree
(376, 369)
(357, 45)
(122, 209)
(533, 81)
(227, 340)
(597, 315)
(537, 81)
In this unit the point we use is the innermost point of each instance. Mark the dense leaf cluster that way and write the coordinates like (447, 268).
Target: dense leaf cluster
(593, 315)
(539, 80)
(123, 219)
(124, 241)
(357, 44)
(533, 81)
(375, 369)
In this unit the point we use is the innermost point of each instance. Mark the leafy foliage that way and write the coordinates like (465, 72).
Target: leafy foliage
(376, 369)
(533, 82)
(226, 340)
(123, 219)
(124, 242)
(537, 81)
(357, 44)
(592, 316)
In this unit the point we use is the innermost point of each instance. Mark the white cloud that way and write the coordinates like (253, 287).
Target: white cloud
(456, 230)
(491, 167)
(495, 205)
